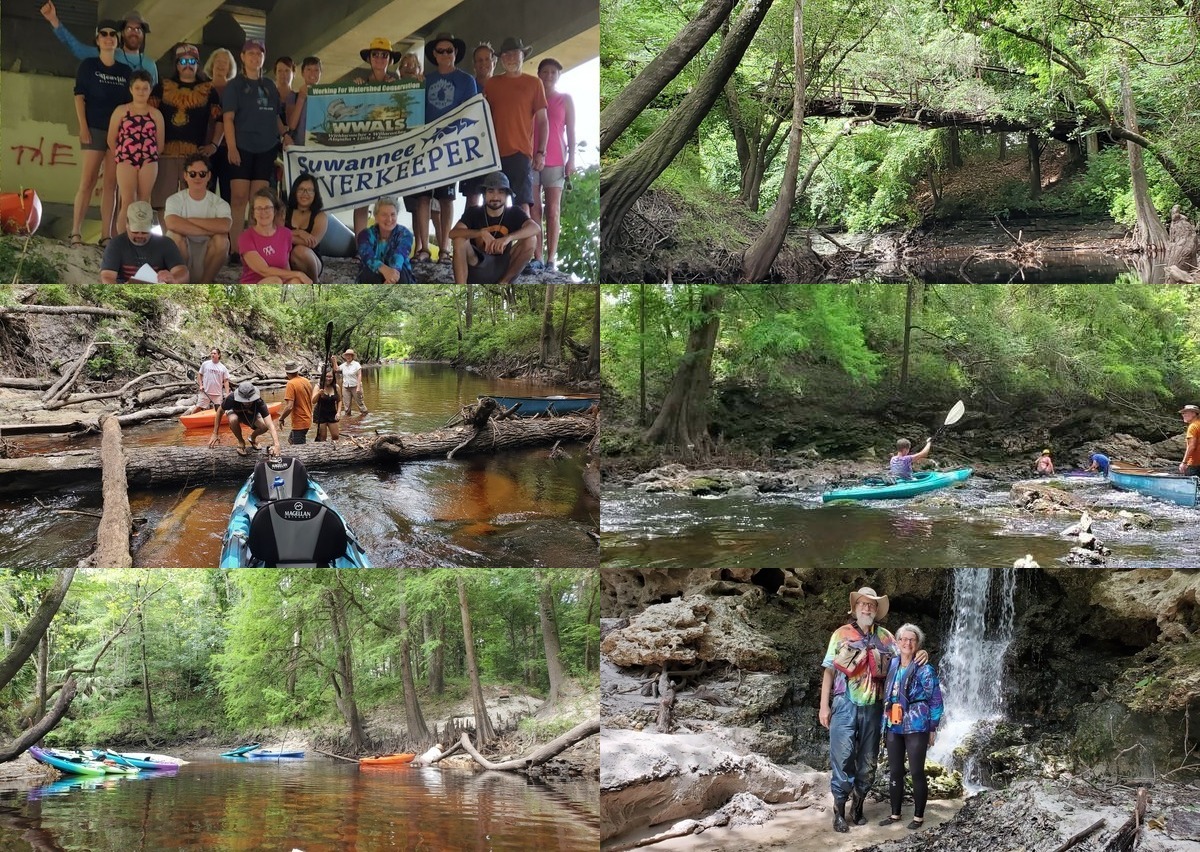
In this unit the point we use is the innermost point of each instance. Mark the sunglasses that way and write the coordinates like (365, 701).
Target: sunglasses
(193, 174)
(108, 33)
(375, 53)
(443, 50)
(187, 60)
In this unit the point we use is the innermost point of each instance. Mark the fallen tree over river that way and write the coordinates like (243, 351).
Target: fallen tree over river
(152, 467)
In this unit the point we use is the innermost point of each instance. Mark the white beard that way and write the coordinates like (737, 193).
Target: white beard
(865, 622)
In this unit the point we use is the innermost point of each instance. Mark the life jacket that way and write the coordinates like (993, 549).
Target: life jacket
(867, 654)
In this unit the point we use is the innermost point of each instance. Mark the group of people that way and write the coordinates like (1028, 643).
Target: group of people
(165, 146)
(244, 407)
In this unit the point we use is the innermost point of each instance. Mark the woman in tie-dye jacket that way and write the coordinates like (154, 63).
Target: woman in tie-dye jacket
(912, 709)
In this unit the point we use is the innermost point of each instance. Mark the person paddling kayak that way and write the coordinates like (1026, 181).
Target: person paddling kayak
(901, 464)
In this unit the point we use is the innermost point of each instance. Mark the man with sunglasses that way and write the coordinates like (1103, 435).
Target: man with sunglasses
(131, 52)
(198, 222)
(191, 109)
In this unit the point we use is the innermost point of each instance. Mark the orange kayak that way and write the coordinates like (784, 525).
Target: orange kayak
(387, 760)
(204, 419)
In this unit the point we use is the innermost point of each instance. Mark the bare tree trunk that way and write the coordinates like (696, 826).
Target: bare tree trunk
(756, 263)
(414, 719)
(550, 345)
(484, 732)
(435, 665)
(652, 79)
(905, 351)
(116, 522)
(593, 600)
(27, 640)
(1149, 235)
(43, 672)
(343, 675)
(562, 334)
(593, 365)
(554, 664)
(1035, 165)
(145, 668)
(682, 420)
(470, 305)
(580, 732)
(953, 148)
(624, 183)
(293, 663)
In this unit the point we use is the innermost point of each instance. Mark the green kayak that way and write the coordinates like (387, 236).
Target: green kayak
(919, 484)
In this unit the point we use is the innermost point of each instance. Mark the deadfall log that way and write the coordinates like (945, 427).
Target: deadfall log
(152, 467)
(538, 756)
(112, 539)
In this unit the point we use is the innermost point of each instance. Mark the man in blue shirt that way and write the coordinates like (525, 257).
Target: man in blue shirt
(131, 53)
(1099, 463)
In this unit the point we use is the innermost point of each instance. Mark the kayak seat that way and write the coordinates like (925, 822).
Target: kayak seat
(291, 471)
(298, 533)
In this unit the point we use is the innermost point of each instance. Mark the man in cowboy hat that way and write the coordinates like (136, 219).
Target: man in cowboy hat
(245, 405)
(1190, 466)
(856, 664)
(446, 87)
(131, 53)
(518, 103)
(298, 402)
(493, 243)
(351, 381)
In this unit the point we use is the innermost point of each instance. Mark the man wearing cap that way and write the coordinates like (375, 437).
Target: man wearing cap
(518, 103)
(493, 243)
(351, 381)
(856, 665)
(198, 222)
(128, 252)
(245, 405)
(254, 129)
(131, 53)
(191, 109)
(297, 402)
(446, 87)
(1190, 466)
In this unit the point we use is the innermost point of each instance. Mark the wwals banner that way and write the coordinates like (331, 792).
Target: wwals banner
(459, 145)
(347, 115)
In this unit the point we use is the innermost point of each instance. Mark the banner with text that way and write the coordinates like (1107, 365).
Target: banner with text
(459, 145)
(347, 115)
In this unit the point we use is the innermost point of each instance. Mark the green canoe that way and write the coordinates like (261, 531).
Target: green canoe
(919, 484)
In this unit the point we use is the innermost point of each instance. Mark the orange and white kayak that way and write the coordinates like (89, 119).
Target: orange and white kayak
(21, 213)
(387, 760)
(204, 419)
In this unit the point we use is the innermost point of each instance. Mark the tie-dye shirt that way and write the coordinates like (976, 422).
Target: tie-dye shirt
(922, 706)
(860, 662)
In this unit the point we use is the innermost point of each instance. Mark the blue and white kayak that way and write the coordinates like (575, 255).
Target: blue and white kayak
(534, 405)
(273, 753)
(900, 490)
(283, 517)
(242, 750)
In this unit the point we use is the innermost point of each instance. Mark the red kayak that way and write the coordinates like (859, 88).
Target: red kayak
(204, 419)
(387, 760)
(20, 212)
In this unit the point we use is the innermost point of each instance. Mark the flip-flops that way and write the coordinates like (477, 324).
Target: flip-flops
(242, 451)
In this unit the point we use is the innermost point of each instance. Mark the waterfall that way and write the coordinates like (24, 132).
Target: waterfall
(972, 663)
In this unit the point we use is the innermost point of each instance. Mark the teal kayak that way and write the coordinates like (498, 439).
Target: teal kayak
(919, 484)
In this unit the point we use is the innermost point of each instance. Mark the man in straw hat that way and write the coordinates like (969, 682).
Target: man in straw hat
(856, 664)
(245, 406)
(518, 104)
(1190, 466)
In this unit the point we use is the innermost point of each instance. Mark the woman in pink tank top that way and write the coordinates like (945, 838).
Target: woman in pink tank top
(560, 162)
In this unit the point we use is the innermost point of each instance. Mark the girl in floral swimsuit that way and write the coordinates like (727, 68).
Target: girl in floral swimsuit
(135, 134)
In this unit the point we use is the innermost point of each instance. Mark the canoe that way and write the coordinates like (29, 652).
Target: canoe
(68, 765)
(282, 517)
(1171, 487)
(241, 750)
(919, 484)
(534, 405)
(204, 419)
(272, 753)
(387, 760)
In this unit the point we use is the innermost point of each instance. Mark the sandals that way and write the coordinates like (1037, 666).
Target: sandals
(76, 240)
(916, 824)
(104, 241)
(892, 820)
(242, 451)
(445, 256)
(422, 257)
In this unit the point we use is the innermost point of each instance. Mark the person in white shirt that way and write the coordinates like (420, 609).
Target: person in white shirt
(198, 222)
(213, 381)
(351, 381)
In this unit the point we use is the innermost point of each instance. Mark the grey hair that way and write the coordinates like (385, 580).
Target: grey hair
(208, 66)
(912, 628)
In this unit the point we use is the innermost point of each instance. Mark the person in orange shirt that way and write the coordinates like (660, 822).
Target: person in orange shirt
(297, 402)
(1190, 466)
(518, 104)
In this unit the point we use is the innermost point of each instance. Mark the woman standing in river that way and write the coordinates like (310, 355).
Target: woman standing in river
(912, 709)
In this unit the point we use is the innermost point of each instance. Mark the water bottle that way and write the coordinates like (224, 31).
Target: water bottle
(277, 487)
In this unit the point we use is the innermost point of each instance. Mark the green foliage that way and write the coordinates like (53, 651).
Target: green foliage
(34, 268)
(52, 294)
(579, 237)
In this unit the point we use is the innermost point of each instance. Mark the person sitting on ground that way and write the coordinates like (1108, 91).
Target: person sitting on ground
(1045, 464)
(1190, 466)
(494, 242)
(198, 221)
(245, 406)
(327, 408)
(265, 248)
(297, 402)
(901, 464)
(351, 372)
(308, 223)
(213, 381)
(138, 247)
(1099, 463)
(383, 248)
(912, 709)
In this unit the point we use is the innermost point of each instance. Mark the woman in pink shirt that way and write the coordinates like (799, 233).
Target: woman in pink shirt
(265, 247)
(560, 161)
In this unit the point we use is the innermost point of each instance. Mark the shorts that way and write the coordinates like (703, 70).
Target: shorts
(490, 268)
(553, 177)
(168, 182)
(99, 140)
(203, 402)
(410, 201)
(519, 170)
(259, 166)
(298, 436)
